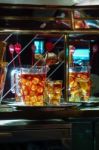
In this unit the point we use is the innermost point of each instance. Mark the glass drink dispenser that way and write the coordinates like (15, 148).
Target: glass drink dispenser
(79, 84)
(79, 72)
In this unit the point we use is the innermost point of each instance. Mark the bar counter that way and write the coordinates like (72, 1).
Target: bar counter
(49, 112)
(76, 127)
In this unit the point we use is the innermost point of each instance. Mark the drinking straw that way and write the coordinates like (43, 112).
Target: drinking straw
(19, 59)
(17, 50)
(14, 59)
(22, 49)
(11, 49)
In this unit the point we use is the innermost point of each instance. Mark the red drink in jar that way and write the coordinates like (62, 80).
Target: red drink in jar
(32, 89)
(29, 85)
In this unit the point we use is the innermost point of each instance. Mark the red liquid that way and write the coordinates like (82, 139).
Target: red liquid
(32, 88)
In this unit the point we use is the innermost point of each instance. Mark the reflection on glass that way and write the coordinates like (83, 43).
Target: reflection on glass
(81, 56)
(81, 24)
(87, 24)
(93, 13)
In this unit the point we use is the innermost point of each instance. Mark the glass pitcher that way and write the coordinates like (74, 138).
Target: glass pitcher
(79, 83)
(28, 84)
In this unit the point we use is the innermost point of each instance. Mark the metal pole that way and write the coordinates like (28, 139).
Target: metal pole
(66, 68)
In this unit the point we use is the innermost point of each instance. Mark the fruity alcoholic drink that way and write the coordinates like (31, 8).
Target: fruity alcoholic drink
(30, 84)
(31, 88)
(54, 91)
(79, 85)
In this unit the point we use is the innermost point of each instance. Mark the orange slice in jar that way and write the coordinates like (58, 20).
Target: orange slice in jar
(42, 83)
(35, 80)
(33, 87)
(83, 77)
(40, 90)
(40, 98)
(71, 78)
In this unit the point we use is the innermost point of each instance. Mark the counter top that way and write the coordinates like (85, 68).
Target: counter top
(63, 112)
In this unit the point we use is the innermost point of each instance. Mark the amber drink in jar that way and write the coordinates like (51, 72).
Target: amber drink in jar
(79, 84)
(54, 92)
(30, 84)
